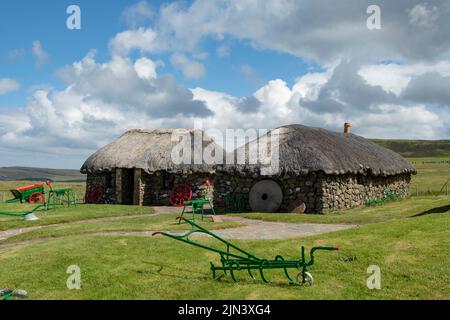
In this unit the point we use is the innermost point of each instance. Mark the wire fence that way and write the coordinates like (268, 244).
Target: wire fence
(420, 190)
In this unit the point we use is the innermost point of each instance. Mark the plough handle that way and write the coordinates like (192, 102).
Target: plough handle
(313, 249)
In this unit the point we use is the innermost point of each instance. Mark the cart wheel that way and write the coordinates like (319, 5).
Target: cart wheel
(36, 197)
(94, 194)
(180, 194)
(309, 280)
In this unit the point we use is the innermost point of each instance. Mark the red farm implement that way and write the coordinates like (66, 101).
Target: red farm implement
(31, 194)
(35, 194)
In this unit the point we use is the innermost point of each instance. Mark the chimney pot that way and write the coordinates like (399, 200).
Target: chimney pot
(347, 127)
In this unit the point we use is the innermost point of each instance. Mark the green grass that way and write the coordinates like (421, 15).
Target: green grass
(392, 210)
(417, 148)
(65, 215)
(412, 254)
(151, 223)
(432, 174)
(6, 186)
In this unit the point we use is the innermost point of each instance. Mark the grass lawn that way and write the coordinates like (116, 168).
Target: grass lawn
(5, 186)
(432, 174)
(65, 215)
(148, 223)
(393, 210)
(411, 252)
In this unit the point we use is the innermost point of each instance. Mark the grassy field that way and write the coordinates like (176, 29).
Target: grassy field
(411, 252)
(417, 148)
(408, 239)
(6, 186)
(432, 174)
(395, 210)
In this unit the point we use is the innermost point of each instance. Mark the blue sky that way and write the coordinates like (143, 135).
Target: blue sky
(231, 64)
(101, 20)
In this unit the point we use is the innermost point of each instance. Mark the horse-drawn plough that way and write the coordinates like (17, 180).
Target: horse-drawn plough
(234, 258)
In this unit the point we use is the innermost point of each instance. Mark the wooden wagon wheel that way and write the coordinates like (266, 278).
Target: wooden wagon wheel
(37, 197)
(180, 194)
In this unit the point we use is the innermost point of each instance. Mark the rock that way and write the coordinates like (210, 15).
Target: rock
(297, 206)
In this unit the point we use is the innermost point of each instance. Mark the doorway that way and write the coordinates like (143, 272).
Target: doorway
(127, 186)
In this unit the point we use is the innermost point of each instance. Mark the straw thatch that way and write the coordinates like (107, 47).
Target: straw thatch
(303, 150)
(149, 150)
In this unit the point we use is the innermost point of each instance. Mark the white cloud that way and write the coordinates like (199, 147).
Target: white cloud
(8, 85)
(190, 69)
(223, 51)
(137, 14)
(100, 102)
(139, 39)
(423, 16)
(145, 68)
(395, 77)
(293, 27)
(39, 53)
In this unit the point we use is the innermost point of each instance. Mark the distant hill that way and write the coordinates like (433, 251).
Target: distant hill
(407, 148)
(417, 148)
(40, 174)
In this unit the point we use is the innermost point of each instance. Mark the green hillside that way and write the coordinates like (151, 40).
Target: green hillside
(417, 148)
(40, 174)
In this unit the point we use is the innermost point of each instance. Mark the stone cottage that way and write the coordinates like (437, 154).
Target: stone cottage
(316, 171)
(139, 168)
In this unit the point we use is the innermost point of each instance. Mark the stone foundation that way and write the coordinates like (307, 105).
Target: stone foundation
(319, 192)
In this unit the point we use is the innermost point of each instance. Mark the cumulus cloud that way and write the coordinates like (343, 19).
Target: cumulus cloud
(190, 69)
(39, 53)
(423, 15)
(138, 14)
(8, 85)
(100, 101)
(324, 100)
(294, 27)
(137, 39)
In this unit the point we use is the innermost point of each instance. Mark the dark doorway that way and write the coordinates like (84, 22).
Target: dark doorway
(127, 186)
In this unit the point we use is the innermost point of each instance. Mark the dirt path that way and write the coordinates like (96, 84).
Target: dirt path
(250, 229)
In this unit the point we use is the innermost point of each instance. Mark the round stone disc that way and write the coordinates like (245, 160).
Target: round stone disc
(266, 196)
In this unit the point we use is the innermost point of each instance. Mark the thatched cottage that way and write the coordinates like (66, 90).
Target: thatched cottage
(316, 171)
(138, 167)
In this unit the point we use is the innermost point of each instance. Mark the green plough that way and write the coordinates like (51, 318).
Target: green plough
(7, 294)
(234, 259)
(27, 215)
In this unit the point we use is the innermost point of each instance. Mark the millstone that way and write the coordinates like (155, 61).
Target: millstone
(266, 196)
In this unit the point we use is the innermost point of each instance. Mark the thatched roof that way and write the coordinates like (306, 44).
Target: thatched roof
(305, 149)
(150, 150)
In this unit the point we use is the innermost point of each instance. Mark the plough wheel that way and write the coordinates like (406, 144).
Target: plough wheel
(180, 194)
(309, 280)
(94, 193)
(36, 197)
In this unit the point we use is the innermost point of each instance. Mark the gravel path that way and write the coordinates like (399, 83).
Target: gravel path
(251, 229)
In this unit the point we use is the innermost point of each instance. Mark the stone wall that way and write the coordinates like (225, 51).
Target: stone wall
(154, 188)
(348, 191)
(306, 189)
(106, 182)
(319, 192)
